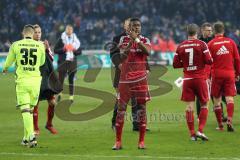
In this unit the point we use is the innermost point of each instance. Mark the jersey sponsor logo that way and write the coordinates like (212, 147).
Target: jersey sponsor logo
(222, 50)
(192, 68)
(135, 50)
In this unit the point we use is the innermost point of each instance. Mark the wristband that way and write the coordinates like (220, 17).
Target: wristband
(137, 40)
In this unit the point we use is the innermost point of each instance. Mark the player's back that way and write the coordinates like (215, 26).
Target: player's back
(192, 54)
(30, 55)
(223, 54)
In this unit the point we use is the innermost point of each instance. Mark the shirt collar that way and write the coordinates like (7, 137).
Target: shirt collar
(219, 35)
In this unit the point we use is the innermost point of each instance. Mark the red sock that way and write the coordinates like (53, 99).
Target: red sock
(202, 119)
(142, 124)
(35, 118)
(119, 125)
(190, 122)
(50, 115)
(218, 113)
(230, 110)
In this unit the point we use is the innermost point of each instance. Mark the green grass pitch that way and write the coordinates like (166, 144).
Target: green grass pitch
(92, 140)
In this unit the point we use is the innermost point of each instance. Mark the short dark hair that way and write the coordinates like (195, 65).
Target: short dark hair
(135, 19)
(218, 27)
(192, 29)
(206, 24)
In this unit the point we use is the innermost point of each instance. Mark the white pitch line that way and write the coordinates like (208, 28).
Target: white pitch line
(121, 156)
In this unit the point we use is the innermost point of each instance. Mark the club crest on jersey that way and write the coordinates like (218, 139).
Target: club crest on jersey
(133, 50)
(222, 50)
(191, 68)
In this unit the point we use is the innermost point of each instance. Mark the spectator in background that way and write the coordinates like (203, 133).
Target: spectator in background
(5, 45)
(236, 37)
(161, 43)
(67, 48)
(94, 21)
(171, 44)
(155, 42)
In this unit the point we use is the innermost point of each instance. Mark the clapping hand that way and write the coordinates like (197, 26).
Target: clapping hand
(46, 44)
(237, 78)
(68, 48)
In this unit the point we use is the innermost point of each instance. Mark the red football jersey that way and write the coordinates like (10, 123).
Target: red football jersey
(192, 56)
(208, 69)
(133, 68)
(225, 57)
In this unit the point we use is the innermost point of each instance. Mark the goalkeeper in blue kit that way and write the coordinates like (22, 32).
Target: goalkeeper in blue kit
(28, 55)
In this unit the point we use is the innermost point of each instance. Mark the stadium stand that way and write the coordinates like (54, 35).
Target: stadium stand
(97, 21)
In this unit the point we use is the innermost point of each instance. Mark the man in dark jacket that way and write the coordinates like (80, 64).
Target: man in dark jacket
(116, 60)
(50, 86)
(67, 48)
(206, 30)
(207, 36)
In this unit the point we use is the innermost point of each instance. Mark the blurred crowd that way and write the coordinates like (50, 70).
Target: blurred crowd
(97, 21)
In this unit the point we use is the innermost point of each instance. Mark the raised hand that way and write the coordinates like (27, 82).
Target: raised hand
(68, 47)
(46, 44)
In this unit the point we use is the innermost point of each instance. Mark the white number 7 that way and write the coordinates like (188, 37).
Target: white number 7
(190, 51)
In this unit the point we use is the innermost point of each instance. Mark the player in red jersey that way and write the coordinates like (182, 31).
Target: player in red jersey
(46, 93)
(134, 49)
(192, 55)
(225, 68)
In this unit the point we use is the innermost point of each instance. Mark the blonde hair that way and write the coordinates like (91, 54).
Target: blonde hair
(36, 26)
(28, 29)
(69, 25)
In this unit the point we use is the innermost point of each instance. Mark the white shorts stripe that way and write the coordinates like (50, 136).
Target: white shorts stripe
(209, 89)
(207, 50)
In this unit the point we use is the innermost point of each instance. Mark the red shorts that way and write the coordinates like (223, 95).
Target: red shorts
(195, 87)
(139, 90)
(223, 87)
